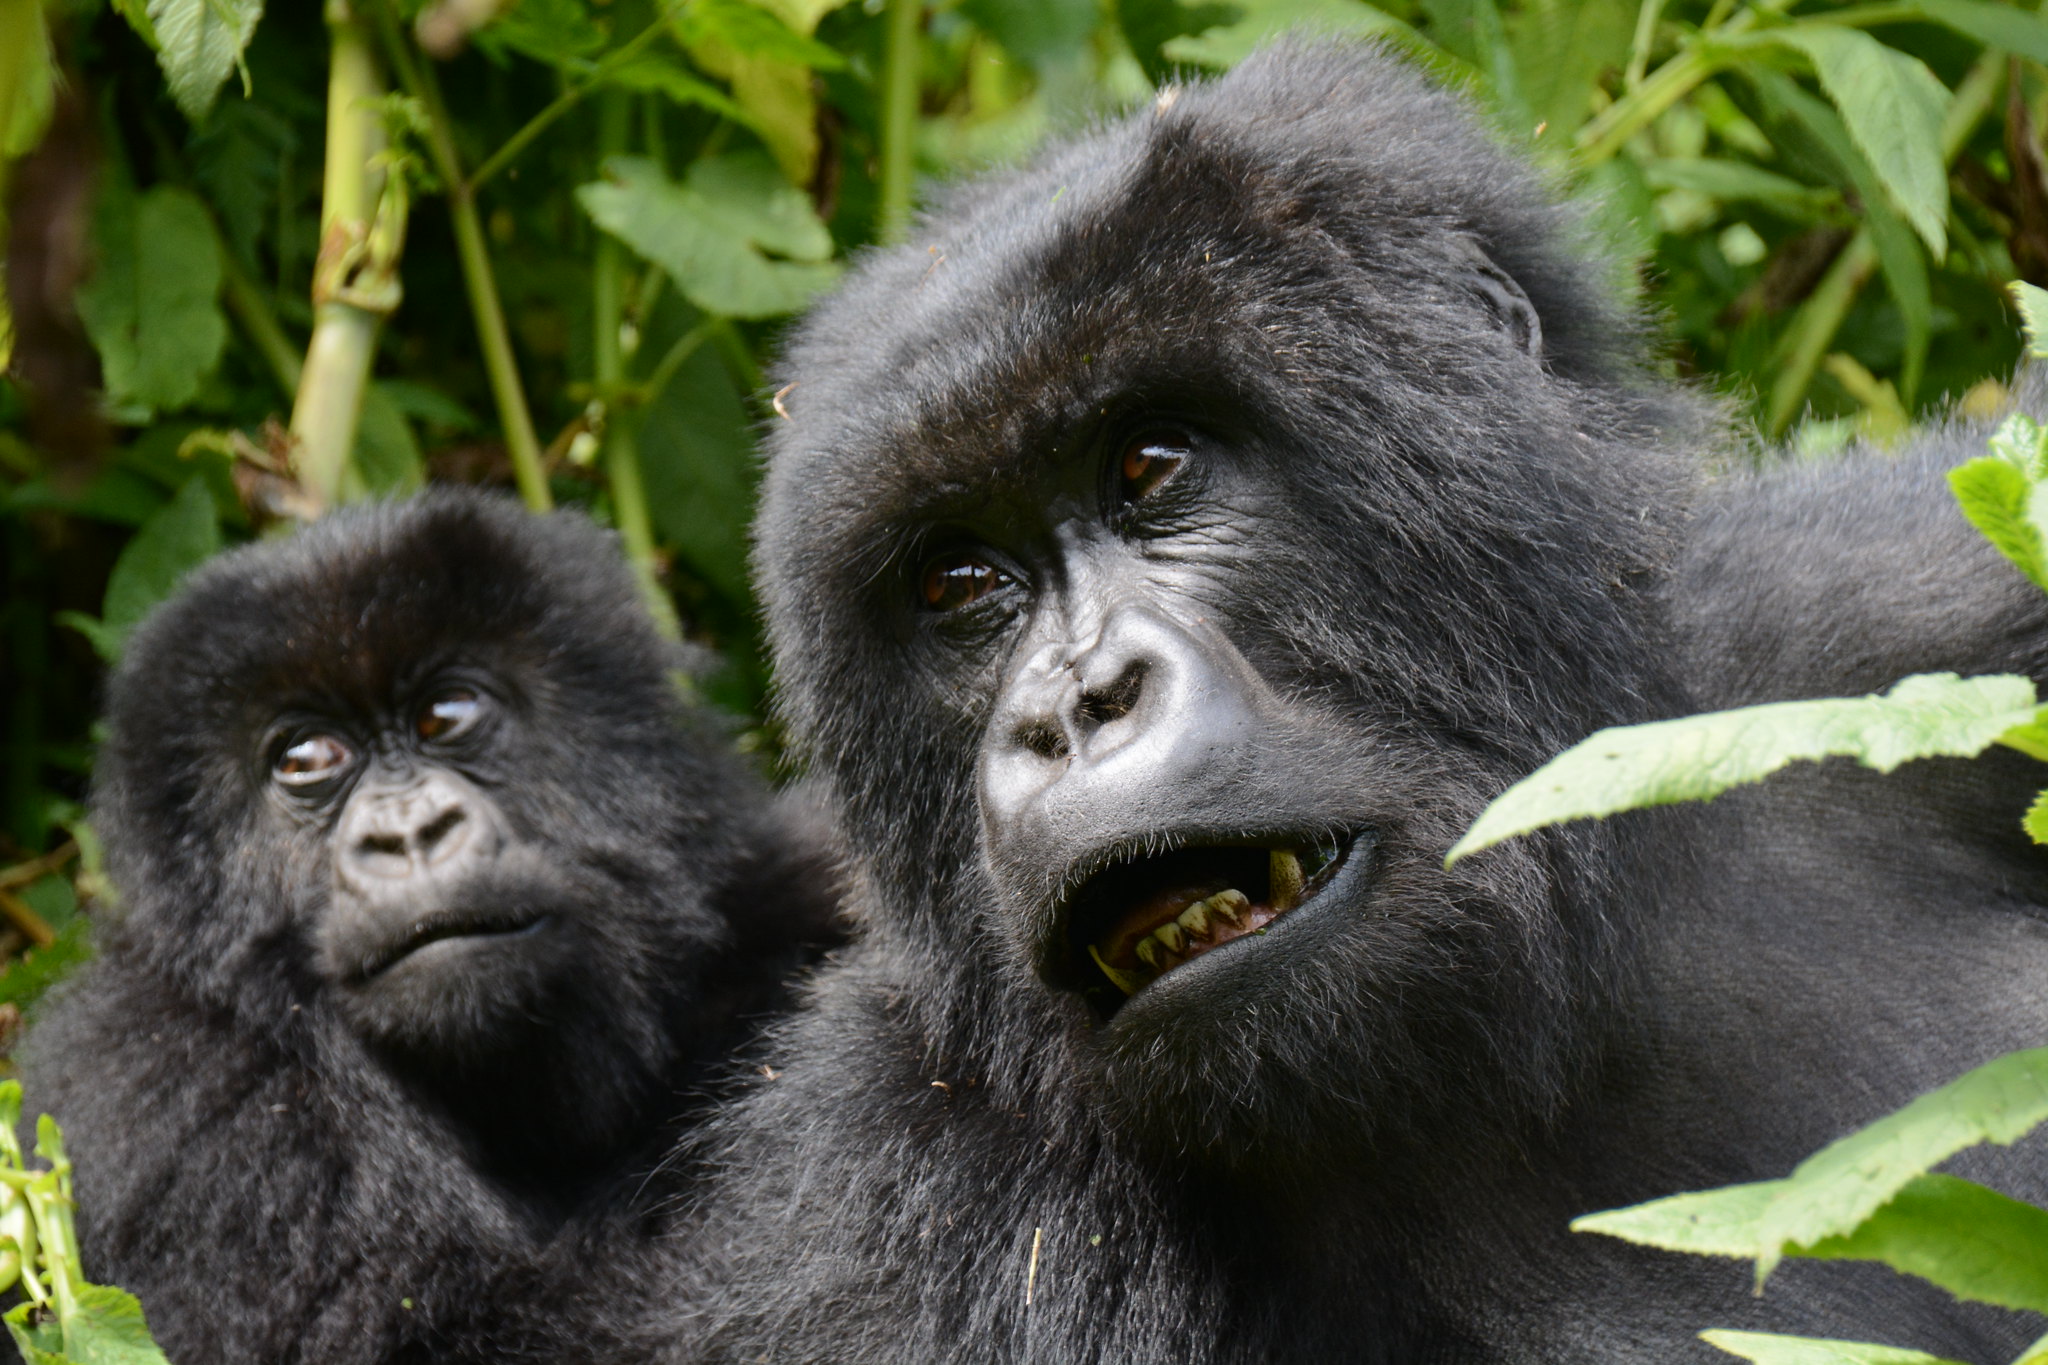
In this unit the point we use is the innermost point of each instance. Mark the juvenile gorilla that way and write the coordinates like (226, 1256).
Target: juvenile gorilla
(1170, 550)
(438, 906)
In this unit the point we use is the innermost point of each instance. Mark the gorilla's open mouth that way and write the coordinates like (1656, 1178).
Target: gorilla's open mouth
(441, 928)
(1139, 918)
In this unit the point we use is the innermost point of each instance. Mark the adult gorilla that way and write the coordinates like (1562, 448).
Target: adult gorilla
(440, 908)
(1170, 550)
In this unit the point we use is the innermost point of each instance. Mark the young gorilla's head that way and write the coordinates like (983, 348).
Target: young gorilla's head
(423, 769)
(1171, 548)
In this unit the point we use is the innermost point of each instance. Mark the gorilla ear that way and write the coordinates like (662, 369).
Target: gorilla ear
(1503, 298)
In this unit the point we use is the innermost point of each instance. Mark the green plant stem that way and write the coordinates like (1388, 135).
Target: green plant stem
(672, 360)
(900, 63)
(1607, 132)
(495, 337)
(329, 392)
(259, 323)
(621, 423)
(562, 104)
(1805, 343)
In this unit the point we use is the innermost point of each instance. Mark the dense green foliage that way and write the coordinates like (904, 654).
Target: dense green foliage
(551, 242)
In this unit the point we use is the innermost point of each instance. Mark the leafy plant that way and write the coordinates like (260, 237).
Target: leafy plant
(62, 1319)
(1872, 1195)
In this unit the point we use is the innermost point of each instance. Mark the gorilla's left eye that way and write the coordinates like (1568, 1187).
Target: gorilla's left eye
(450, 714)
(952, 581)
(1150, 460)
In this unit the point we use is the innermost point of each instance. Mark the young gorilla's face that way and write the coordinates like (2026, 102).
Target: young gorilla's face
(1155, 575)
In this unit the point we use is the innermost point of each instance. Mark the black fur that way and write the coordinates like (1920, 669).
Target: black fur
(1432, 524)
(288, 1163)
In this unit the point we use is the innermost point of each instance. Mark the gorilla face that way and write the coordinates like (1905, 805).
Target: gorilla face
(1168, 555)
(445, 924)
(420, 769)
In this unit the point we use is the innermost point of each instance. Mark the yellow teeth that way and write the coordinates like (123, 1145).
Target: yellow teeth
(1171, 937)
(1231, 905)
(1148, 952)
(1283, 870)
(1126, 982)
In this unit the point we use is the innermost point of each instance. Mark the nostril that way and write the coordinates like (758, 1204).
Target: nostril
(1041, 737)
(1102, 705)
(391, 845)
(440, 827)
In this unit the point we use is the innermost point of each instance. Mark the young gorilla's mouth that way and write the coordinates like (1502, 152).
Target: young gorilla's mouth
(1139, 918)
(443, 927)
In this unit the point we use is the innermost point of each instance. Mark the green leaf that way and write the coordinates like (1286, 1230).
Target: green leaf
(714, 232)
(106, 1328)
(152, 306)
(198, 43)
(387, 457)
(751, 30)
(1721, 1222)
(1974, 1242)
(170, 545)
(1834, 1190)
(1149, 25)
(1893, 107)
(1737, 180)
(2005, 494)
(2005, 27)
(28, 78)
(1698, 757)
(2036, 820)
(25, 979)
(2033, 306)
(1766, 1348)
(660, 74)
(558, 33)
(1042, 32)
(1226, 46)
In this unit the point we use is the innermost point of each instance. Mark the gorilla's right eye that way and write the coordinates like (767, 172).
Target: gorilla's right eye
(450, 714)
(312, 759)
(951, 581)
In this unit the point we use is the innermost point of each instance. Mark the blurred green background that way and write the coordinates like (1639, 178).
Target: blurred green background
(552, 243)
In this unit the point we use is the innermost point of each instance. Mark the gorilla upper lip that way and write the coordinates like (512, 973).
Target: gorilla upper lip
(448, 925)
(1138, 918)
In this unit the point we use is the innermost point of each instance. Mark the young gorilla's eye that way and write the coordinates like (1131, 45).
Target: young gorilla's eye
(1150, 460)
(312, 759)
(952, 581)
(449, 714)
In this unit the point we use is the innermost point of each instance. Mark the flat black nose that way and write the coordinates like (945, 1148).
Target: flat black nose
(1144, 710)
(429, 826)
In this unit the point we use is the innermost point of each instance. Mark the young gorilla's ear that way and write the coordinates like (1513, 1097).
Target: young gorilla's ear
(1503, 298)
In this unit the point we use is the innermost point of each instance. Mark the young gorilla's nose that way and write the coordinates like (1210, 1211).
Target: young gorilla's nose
(426, 827)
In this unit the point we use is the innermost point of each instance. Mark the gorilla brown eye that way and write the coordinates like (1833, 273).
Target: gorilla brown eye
(1150, 461)
(953, 581)
(313, 759)
(450, 714)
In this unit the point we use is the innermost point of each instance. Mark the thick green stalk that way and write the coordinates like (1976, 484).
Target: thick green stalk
(329, 399)
(900, 62)
(621, 421)
(495, 337)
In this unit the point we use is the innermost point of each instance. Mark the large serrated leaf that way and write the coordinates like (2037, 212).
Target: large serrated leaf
(199, 42)
(1768, 1349)
(2033, 306)
(1893, 107)
(1998, 500)
(1972, 1241)
(713, 232)
(1698, 757)
(152, 306)
(105, 1328)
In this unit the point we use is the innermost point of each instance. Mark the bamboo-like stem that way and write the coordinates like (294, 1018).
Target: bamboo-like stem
(562, 104)
(900, 62)
(621, 422)
(494, 336)
(329, 392)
